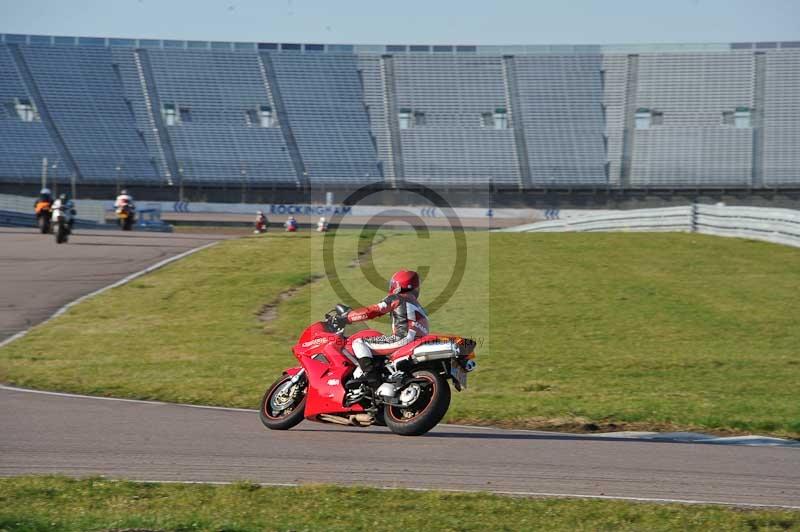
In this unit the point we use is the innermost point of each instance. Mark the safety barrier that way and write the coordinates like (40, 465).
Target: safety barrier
(781, 226)
(87, 210)
(20, 219)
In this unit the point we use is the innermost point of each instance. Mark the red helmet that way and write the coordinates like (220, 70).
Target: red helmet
(404, 281)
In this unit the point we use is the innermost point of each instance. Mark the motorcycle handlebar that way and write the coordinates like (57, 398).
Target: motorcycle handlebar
(332, 315)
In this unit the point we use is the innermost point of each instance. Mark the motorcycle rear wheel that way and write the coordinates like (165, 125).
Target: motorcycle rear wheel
(280, 420)
(44, 225)
(426, 412)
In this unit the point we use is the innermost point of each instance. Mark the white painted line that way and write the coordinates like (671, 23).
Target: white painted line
(658, 500)
(121, 282)
(123, 400)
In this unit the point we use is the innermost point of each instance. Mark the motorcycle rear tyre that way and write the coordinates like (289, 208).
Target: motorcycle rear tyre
(44, 225)
(285, 422)
(432, 414)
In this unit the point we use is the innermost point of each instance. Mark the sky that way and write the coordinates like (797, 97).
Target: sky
(412, 21)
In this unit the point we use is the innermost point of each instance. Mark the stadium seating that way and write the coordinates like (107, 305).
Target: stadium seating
(454, 146)
(563, 117)
(694, 146)
(782, 118)
(85, 98)
(22, 144)
(217, 139)
(126, 66)
(288, 115)
(323, 98)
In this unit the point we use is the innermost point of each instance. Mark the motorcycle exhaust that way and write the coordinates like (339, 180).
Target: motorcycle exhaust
(362, 420)
(354, 420)
(427, 352)
(334, 419)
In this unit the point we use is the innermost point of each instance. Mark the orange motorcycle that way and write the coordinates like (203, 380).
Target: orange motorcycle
(43, 210)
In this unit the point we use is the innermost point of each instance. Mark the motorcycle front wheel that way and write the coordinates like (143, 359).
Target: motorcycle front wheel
(279, 410)
(427, 409)
(61, 234)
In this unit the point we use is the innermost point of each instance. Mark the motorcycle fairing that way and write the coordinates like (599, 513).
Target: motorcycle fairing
(327, 369)
(325, 393)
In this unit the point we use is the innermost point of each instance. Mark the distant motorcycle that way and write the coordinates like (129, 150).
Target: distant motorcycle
(43, 215)
(60, 221)
(126, 216)
(413, 398)
(261, 223)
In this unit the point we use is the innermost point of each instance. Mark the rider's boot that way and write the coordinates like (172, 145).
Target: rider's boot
(371, 373)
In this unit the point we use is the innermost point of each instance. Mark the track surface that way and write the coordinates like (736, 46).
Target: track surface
(146, 441)
(38, 276)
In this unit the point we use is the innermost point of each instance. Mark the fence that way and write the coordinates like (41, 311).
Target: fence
(781, 226)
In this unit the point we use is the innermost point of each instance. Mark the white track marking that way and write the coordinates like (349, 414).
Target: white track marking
(771, 442)
(538, 494)
(121, 282)
(123, 400)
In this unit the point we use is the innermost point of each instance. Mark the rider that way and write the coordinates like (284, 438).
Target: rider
(45, 200)
(409, 321)
(124, 199)
(322, 225)
(68, 205)
(291, 224)
(261, 222)
(44, 195)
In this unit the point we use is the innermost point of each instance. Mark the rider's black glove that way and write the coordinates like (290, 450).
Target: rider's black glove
(339, 321)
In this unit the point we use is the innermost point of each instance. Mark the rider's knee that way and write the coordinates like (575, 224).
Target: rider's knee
(361, 349)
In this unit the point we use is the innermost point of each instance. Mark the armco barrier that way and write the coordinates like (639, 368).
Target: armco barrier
(781, 226)
(665, 219)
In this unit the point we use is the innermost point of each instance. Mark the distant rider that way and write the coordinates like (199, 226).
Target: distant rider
(45, 199)
(322, 225)
(44, 203)
(409, 321)
(291, 225)
(124, 199)
(68, 206)
(261, 222)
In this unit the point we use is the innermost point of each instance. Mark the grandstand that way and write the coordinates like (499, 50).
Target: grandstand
(170, 115)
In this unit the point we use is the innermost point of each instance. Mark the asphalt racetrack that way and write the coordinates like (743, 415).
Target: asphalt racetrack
(38, 276)
(53, 433)
(82, 436)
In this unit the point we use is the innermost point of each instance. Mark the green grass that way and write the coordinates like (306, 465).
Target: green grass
(578, 331)
(62, 504)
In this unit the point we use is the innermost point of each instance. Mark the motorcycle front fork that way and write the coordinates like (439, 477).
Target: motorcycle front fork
(297, 376)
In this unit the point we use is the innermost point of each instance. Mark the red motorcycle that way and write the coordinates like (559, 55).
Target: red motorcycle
(413, 397)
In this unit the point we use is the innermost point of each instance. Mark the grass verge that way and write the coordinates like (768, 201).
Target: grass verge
(578, 331)
(62, 504)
